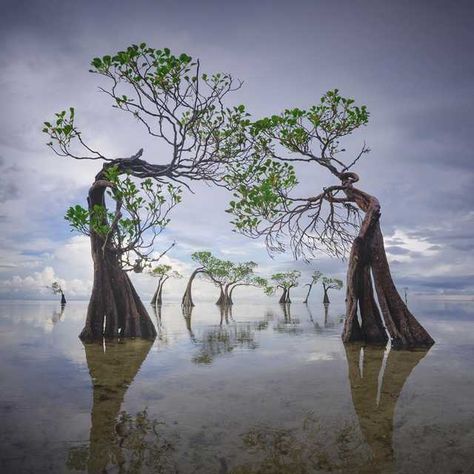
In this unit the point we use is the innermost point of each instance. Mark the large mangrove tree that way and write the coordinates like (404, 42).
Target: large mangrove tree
(337, 219)
(130, 198)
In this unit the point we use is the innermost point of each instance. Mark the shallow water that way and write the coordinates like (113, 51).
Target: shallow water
(260, 390)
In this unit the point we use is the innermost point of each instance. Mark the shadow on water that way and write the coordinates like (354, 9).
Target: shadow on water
(117, 439)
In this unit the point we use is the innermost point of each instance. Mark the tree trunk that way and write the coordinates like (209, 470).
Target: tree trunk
(367, 260)
(326, 297)
(159, 292)
(187, 300)
(63, 299)
(115, 309)
(222, 298)
(229, 296)
(283, 296)
(153, 301)
(310, 285)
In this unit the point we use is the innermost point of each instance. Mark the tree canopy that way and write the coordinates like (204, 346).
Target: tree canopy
(176, 103)
(266, 202)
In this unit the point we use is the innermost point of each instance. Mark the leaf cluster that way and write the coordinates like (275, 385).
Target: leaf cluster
(263, 203)
(141, 213)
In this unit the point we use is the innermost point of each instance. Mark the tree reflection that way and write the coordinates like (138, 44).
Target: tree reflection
(224, 338)
(58, 315)
(288, 324)
(377, 376)
(161, 334)
(117, 440)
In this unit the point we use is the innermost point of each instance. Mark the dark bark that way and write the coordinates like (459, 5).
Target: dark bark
(154, 299)
(326, 296)
(157, 299)
(225, 298)
(222, 300)
(115, 309)
(230, 301)
(310, 287)
(285, 296)
(368, 259)
(63, 299)
(187, 300)
(326, 313)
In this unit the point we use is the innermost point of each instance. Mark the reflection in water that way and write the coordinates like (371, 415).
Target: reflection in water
(118, 440)
(328, 322)
(288, 324)
(58, 315)
(377, 377)
(161, 333)
(291, 405)
(222, 339)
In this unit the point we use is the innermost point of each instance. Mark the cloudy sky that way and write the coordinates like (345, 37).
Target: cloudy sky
(410, 61)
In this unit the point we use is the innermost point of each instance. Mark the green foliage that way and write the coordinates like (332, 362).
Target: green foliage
(141, 212)
(283, 280)
(316, 276)
(175, 101)
(260, 282)
(224, 272)
(61, 129)
(333, 117)
(164, 271)
(332, 283)
(163, 69)
(260, 191)
(263, 182)
(56, 288)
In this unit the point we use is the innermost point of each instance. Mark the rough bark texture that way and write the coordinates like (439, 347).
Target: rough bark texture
(187, 300)
(115, 309)
(367, 260)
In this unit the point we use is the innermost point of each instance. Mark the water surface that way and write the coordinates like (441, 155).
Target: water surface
(262, 389)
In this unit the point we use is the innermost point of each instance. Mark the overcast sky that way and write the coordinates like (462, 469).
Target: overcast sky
(411, 62)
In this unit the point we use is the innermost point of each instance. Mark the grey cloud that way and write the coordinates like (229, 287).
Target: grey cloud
(395, 250)
(440, 282)
(410, 62)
